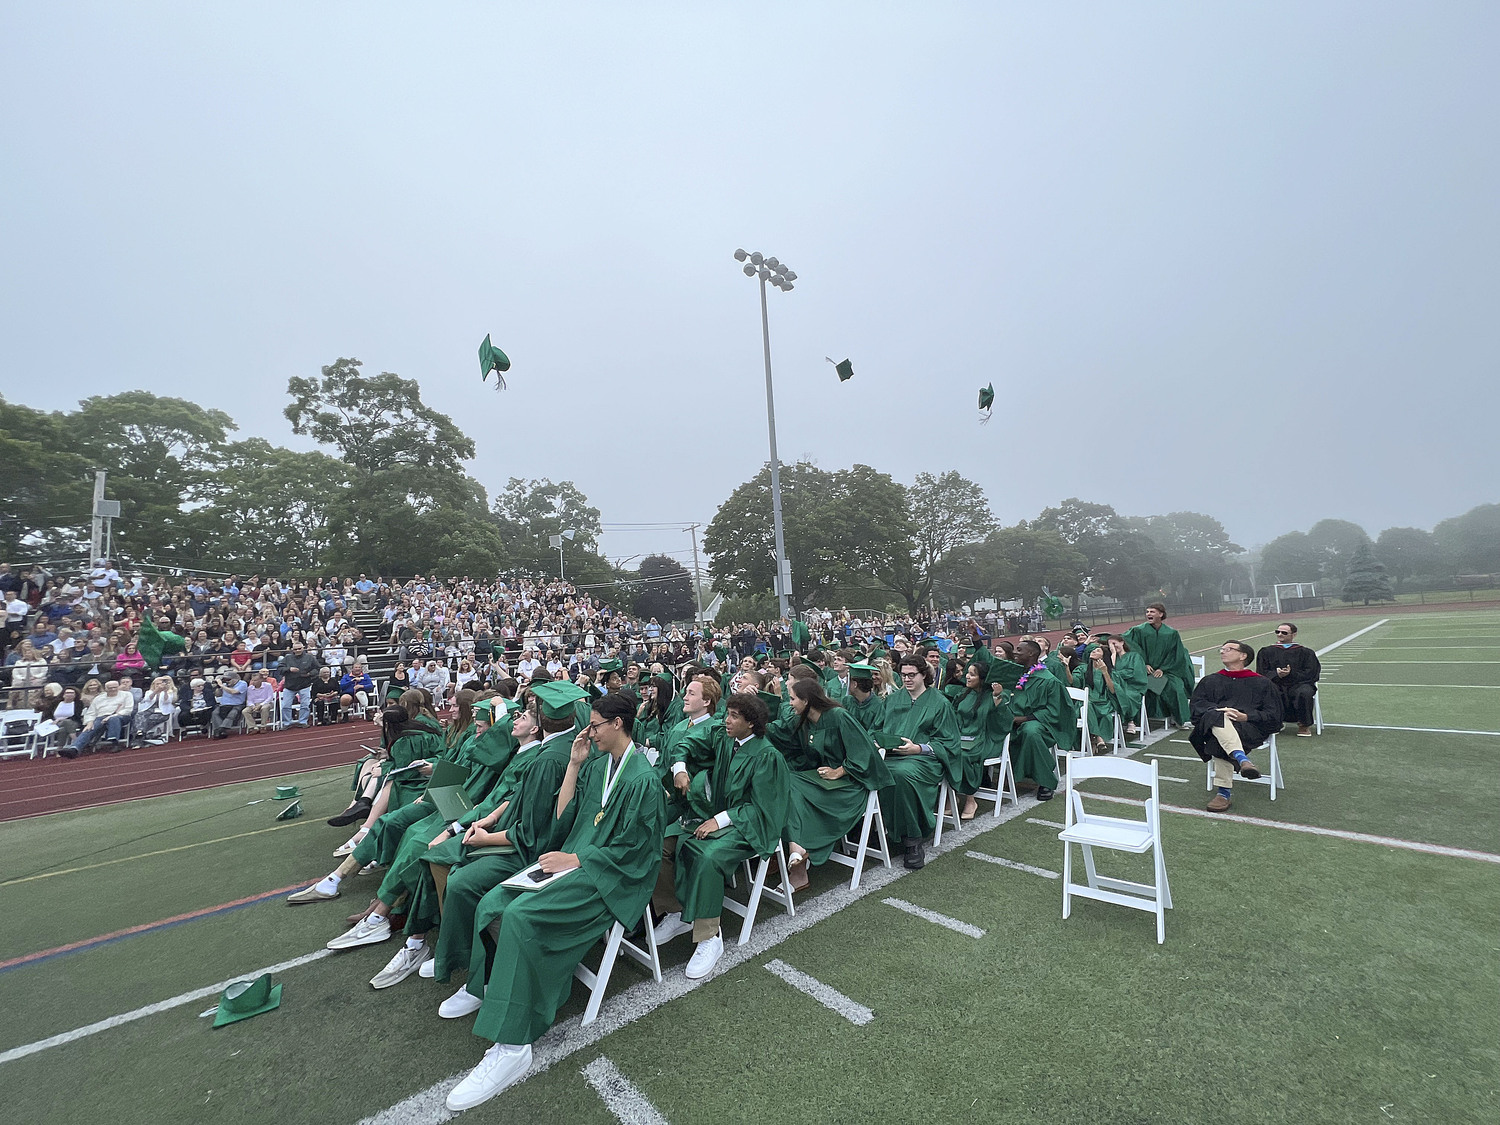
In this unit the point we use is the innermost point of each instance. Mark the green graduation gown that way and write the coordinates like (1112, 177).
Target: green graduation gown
(695, 745)
(909, 806)
(543, 934)
(867, 712)
(820, 813)
(1161, 647)
(749, 783)
(1129, 676)
(1051, 724)
(982, 727)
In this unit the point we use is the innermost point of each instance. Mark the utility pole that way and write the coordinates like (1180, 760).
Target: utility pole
(697, 581)
(96, 532)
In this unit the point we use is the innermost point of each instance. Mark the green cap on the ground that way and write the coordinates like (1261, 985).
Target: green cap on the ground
(291, 812)
(287, 792)
(247, 998)
(557, 698)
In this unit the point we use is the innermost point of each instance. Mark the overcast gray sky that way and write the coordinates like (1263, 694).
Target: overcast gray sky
(1241, 257)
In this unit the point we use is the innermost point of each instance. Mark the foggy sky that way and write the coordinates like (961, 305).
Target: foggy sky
(1239, 259)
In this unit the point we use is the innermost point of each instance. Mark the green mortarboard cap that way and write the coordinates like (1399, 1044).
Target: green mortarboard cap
(611, 665)
(558, 697)
(287, 792)
(845, 369)
(863, 671)
(879, 653)
(486, 708)
(987, 397)
(393, 691)
(493, 359)
(247, 998)
(291, 812)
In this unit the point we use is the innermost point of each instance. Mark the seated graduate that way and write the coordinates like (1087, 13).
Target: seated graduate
(610, 816)
(1234, 710)
(509, 832)
(1115, 679)
(1043, 717)
(651, 722)
(863, 701)
(1169, 668)
(1295, 671)
(984, 720)
(740, 813)
(692, 745)
(920, 733)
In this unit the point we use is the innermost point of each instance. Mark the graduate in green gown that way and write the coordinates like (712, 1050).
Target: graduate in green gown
(692, 746)
(744, 811)
(1169, 667)
(1115, 679)
(920, 732)
(863, 702)
(609, 818)
(834, 765)
(984, 720)
(651, 724)
(1043, 717)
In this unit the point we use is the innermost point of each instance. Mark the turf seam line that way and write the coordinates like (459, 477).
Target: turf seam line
(620, 1094)
(831, 998)
(1014, 865)
(944, 920)
(152, 1009)
(138, 931)
(1417, 730)
(1314, 830)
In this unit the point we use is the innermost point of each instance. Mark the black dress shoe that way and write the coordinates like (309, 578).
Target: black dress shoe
(915, 856)
(357, 811)
(1043, 793)
(68, 753)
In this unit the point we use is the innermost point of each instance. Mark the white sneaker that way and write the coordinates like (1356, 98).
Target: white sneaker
(401, 966)
(501, 1066)
(348, 846)
(370, 930)
(460, 1004)
(670, 927)
(320, 891)
(429, 969)
(705, 957)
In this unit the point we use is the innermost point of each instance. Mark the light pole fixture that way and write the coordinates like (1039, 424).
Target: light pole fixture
(557, 541)
(778, 274)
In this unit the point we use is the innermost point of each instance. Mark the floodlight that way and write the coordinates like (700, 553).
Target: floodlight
(740, 255)
(756, 258)
(773, 263)
(787, 287)
(749, 270)
(790, 276)
(765, 274)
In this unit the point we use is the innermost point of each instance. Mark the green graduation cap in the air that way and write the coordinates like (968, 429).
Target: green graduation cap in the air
(493, 359)
(986, 402)
(845, 369)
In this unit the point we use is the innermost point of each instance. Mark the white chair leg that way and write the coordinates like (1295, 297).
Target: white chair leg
(1067, 874)
(1088, 865)
(599, 981)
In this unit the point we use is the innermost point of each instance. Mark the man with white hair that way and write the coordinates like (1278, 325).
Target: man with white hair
(109, 713)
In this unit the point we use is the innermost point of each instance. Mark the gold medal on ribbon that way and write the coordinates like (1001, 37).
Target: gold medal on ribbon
(598, 818)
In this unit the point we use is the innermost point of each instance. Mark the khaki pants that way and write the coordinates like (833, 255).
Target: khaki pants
(664, 898)
(258, 715)
(1229, 742)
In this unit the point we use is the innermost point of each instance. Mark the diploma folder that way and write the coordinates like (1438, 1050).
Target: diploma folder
(534, 878)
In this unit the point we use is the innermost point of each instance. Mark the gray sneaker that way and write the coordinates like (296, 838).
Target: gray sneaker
(401, 966)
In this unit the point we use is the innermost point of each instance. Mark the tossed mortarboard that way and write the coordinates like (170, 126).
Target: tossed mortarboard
(986, 402)
(493, 359)
(845, 369)
(557, 697)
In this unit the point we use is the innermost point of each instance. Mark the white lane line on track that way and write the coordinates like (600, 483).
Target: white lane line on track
(1352, 636)
(831, 998)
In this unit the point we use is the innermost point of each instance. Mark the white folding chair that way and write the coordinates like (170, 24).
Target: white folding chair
(16, 732)
(873, 821)
(1317, 713)
(781, 895)
(1090, 831)
(615, 943)
(1005, 779)
(1079, 696)
(1271, 775)
(947, 808)
(1200, 669)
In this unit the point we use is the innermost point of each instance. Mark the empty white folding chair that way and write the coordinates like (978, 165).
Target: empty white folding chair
(16, 733)
(755, 875)
(1271, 775)
(615, 943)
(1200, 669)
(947, 809)
(1317, 714)
(1005, 779)
(1090, 831)
(873, 823)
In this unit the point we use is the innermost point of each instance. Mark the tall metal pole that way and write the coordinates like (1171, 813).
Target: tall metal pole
(783, 602)
(96, 531)
(560, 576)
(697, 581)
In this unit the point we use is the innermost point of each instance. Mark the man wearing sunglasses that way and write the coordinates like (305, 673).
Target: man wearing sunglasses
(1295, 671)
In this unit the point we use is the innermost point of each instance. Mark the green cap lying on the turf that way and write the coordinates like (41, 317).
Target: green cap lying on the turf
(287, 792)
(557, 698)
(246, 998)
(291, 812)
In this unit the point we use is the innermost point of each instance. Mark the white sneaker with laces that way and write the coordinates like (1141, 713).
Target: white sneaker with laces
(705, 957)
(429, 969)
(458, 1005)
(501, 1066)
(401, 966)
(670, 927)
(370, 930)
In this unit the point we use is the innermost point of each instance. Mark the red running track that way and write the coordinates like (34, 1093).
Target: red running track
(32, 787)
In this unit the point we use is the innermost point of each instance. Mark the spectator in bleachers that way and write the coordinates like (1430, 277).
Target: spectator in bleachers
(110, 715)
(130, 661)
(153, 716)
(196, 705)
(356, 687)
(28, 672)
(297, 669)
(229, 706)
(325, 697)
(260, 703)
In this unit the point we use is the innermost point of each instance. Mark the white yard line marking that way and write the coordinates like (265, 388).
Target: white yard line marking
(1215, 648)
(152, 1009)
(1013, 865)
(427, 1107)
(1179, 780)
(830, 998)
(1417, 730)
(1427, 687)
(1179, 757)
(1043, 823)
(620, 1094)
(1351, 636)
(1314, 830)
(1367, 663)
(934, 917)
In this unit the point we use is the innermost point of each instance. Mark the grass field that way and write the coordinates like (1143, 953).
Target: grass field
(1305, 978)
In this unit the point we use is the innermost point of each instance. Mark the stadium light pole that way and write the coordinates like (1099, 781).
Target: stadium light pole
(769, 269)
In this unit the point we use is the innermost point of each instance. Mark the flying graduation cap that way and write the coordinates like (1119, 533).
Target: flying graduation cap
(845, 369)
(986, 403)
(493, 359)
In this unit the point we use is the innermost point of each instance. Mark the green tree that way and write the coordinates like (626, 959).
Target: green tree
(1128, 565)
(1470, 543)
(529, 512)
(45, 488)
(1024, 558)
(664, 590)
(1291, 558)
(1407, 552)
(946, 511)
(1337, 541)
(1366, 578)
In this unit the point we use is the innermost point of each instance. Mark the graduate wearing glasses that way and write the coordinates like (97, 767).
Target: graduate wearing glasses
(920, 731)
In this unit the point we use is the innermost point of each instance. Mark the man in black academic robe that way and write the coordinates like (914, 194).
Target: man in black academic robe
(1233, 711)
(1295, 671)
